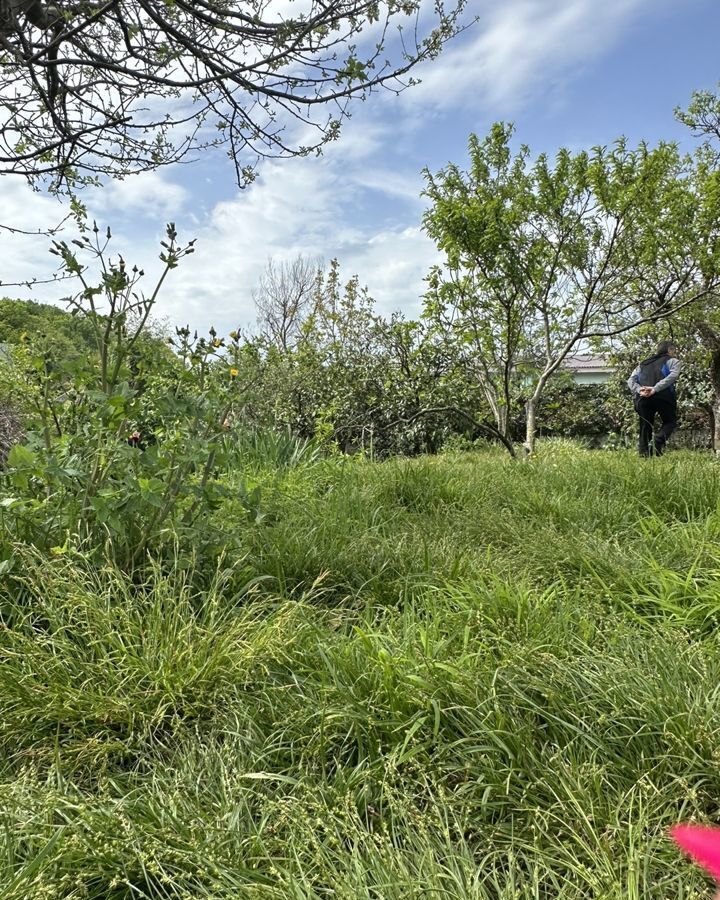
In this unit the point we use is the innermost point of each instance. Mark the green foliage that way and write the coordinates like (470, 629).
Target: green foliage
(703, 326)
(124, 440)
(475, 306)
(22, 319)
(351, 378)
(576, 410)
(702, 116)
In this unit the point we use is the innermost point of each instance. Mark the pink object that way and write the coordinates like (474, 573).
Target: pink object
(702, 842)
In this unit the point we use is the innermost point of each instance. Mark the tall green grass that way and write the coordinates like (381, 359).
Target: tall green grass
(606, 524)
(442, 678)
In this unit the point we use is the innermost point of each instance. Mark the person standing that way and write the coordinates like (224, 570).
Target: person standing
(653, 389)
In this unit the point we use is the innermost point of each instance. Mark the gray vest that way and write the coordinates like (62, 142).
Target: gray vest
(654, 370)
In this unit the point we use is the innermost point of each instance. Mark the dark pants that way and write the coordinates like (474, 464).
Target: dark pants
(647, 408)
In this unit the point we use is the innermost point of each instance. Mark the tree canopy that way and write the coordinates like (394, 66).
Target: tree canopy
(544, 257)
(112, 87)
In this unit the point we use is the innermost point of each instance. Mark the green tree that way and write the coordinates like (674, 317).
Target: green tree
(476, 304)
(702, 116)
(544, 257)
(332, 368)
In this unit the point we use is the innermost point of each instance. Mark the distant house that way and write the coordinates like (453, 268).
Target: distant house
(587, 369)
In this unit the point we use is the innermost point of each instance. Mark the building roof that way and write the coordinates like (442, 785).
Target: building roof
(584, 362)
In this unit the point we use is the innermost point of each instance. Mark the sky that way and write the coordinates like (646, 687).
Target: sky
(567, 73)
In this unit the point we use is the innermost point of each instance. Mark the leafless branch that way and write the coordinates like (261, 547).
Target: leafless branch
(92, 89)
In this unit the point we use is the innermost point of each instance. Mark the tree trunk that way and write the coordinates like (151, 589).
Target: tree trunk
(711, 340)
(499, 410)
(715, 379)
(502, 421)
(530, 426)
(716, 423)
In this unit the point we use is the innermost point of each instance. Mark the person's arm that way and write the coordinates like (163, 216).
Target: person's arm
(632, 381)
(674, 366)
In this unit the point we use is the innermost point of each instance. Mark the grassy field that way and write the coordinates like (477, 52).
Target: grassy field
(450, 677)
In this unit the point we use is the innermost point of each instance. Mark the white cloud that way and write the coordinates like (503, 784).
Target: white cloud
(405, 186)
(395, 263)
(148, 193)
(24, 256)
(516, 51)
(295, 208)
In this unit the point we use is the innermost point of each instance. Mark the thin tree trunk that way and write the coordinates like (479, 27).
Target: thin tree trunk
(530, 425)
(711, 339)
(715, 378)
(503, 421)
(715, 418)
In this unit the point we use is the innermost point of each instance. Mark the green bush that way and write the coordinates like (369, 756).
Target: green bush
(575, 410)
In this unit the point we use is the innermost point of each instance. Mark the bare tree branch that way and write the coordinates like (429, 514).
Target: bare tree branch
(284, 297)
(110, 88)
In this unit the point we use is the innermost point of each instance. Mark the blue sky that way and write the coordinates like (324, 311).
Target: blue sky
(567, 72)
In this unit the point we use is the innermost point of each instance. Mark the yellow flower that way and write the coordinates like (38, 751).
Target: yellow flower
(234, 335)
(234, 372)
